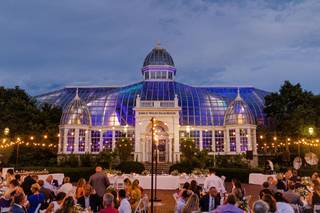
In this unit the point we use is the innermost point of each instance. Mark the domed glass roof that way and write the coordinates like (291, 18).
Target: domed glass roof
(76, 113)
(158, 56)
(238, 113)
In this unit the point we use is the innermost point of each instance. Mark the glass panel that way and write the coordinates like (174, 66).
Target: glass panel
(195, 136)
(170, 75)
(164, 75)
(233, 144)
(219, 140)
(70, 140)
(82, 140)
(158, 75)
(95, 141)
(107, 140)
(243, 140)
(61, 140)
(153, 75)
(207, 140)
(146, 74)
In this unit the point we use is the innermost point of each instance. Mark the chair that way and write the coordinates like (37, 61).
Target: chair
(38, 208)
(296, 208)
(316, 208)
(5, 209)
(142, 206)
(118, 183)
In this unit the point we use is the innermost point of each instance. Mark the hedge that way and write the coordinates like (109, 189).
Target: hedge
(240, 173)
(128, 167)
(75, 173)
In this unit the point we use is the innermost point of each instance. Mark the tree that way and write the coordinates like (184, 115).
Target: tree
(290, 110)
(25, 117)
(105, 158)
(188, 149)
(124, 148)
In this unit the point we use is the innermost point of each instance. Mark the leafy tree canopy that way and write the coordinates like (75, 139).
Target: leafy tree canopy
(292, 110)
(24, 116)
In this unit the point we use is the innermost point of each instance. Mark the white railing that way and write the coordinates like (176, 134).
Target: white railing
(157, 104)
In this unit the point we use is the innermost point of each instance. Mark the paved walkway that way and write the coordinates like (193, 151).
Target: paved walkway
(167, 203)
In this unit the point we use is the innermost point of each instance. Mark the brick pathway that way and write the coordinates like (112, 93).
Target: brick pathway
(167, 203)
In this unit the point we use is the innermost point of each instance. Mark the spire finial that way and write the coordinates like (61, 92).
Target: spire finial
(158, 45)
(238, 94)
(77, 94)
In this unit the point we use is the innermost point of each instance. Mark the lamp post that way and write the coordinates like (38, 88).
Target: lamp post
(152, 162)
(17, 157)
(311, 131)
(156, 174)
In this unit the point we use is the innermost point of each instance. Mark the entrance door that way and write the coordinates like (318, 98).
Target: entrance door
(162, 151)
(161, 141)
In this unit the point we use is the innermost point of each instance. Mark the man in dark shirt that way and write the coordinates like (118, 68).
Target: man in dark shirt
(291, 196)
(99, 181)
(210, 201)
(89, 200)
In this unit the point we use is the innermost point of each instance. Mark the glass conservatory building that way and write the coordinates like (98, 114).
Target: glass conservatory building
(219, 119)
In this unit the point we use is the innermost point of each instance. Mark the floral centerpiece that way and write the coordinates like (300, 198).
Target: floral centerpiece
(145, 172)
(113, 172)
(302, 191)
(197, 172)
(175, 173)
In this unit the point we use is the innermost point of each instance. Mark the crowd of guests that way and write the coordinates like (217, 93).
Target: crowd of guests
(286, 193)
(95, 195)
(213, 197)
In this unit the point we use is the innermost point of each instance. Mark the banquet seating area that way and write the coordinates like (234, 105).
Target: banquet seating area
(40, 191)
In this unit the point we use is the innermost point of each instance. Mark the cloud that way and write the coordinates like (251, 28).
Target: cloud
(48, 44)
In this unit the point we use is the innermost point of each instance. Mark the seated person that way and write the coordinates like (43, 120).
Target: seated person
(54, 206)
(229, 206)
(19, 201)
(282, 204)
(181, 202)
(89, 200)
(291, 196)
(266, 189)
(35, 199)
(108, 204)
(210, 201)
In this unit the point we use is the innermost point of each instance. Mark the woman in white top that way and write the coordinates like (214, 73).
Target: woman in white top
(67, 187)
(56, 205)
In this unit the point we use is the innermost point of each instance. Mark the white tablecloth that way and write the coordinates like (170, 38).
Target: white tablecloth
(258, 178)
(58, 176)
(166, 182)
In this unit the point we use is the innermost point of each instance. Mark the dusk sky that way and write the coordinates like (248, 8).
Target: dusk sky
(48, 44)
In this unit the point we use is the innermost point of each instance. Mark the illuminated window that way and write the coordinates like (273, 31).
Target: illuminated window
(219, 140)
(195, 136)
(232, 137)
(61, 140)
(107, 140)
(82, 140)
(70, 140)
(95, 141)
(207, 140)
(243, 140)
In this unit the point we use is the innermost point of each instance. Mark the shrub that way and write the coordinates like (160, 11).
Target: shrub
(131, 167)
(36, 156)
(124, 148)
(72, 160)
(85, 159)
(184, 167)
(105, 158)
(75, 173)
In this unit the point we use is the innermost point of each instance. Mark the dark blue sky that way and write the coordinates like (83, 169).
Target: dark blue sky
(47, 44)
